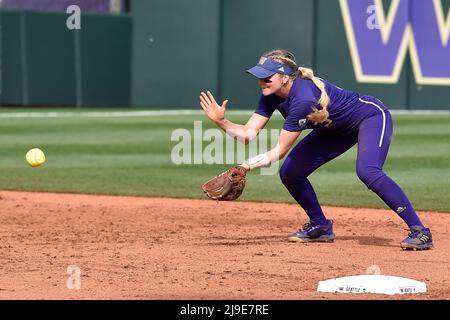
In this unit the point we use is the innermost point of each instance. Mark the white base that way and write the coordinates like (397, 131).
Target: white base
(372, 284)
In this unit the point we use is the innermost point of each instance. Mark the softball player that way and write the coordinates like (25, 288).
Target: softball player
(339, 119)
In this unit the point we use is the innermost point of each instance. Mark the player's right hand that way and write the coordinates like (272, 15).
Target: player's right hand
(214, 112)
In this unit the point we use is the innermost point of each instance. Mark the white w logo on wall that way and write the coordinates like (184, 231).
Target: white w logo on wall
(419, 27)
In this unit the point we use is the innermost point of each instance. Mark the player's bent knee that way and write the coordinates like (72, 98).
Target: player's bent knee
(290, 174)
(368, 175)
(284, 174)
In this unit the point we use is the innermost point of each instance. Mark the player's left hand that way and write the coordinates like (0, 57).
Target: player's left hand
(214, 112)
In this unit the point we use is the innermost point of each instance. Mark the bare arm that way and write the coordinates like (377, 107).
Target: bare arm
(285, 142)
(244, 133)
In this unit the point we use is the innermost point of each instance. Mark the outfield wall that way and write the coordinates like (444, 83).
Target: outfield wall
(166, 51)
(45, 63)
(182, 47)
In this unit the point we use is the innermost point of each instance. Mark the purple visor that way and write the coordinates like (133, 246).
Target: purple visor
(268, 67)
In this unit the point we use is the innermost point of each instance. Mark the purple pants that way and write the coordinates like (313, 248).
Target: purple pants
(373, 137)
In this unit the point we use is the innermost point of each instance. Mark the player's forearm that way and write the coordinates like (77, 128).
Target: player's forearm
(285, 142)
(236, 131)
(263, 159)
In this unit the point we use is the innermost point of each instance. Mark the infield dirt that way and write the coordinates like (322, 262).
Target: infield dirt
(162, 248)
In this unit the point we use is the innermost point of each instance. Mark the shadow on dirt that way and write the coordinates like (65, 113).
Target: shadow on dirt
(368, 241)
(237, 241)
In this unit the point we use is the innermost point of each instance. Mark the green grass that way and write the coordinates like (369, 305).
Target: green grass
(132, 156)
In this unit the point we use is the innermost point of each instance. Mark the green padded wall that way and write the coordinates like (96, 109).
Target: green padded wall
(429, 97)
(11, 53)
(40, 58)
(166, 51)
(50, 59)
(252, 27)
(175, 51)
(105, 60)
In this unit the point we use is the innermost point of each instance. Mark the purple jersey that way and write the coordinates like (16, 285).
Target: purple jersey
(346, 108)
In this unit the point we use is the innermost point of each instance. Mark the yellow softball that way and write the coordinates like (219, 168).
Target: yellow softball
(35, 157)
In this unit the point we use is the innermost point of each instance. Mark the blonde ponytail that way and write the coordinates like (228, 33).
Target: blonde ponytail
(318, 115)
